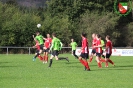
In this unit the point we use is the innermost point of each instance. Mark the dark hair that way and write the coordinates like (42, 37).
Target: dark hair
(108, 37)
(53, 34)
(98, 36)
(83, 34)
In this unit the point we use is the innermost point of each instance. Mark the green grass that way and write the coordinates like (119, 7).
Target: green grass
(19, 71)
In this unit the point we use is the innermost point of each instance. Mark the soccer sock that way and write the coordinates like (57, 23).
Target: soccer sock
(102, 60)
(46, 58)
(40, 57)
(90, 59)
(99, 65)
(87, 65)
(51, 60)
(110, 61)
(82, 62)
(106, 64)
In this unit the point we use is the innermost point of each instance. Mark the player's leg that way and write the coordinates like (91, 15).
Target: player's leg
(101, 59)
(82, 61)
(51, 58)
(75, 54)
(106, 60)
(92, 54)
(86, 62)
(36, 55)
(109, 60)
(98, 56)
(56, 54)
(46, 55)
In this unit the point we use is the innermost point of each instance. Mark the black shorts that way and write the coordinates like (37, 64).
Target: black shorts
(93, 51)
(84, 55)
(46, 50)
(108, 55)
(37, 51)
(41, 46)
(55, 53)
(98, 54)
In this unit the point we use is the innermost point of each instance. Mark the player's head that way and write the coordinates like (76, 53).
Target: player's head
(83, 35)
(37, 33)
(53, 35)
(72, 39)
(98, 36)
(93, 35)
(48, 35)
(107, 37)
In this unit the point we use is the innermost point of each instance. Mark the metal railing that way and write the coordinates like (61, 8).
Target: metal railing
(31, 50)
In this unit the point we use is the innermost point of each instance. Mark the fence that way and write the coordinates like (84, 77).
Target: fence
(26, 50)
(116, 51)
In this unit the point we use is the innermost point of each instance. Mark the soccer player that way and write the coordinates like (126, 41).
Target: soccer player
(40, 40)
(74, 45)
(98, 51)
(84, 52)
(55, 47)
(94, 41)
(102, 44)
(37, 49)
(108, 51)
(47, 45)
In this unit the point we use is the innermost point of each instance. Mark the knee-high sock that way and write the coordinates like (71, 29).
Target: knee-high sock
(106, 63)
(46, 58)
(102, 60)
(90, 59)
(82, 62)
(50, 62)
(40, 57)
(110, 61)
(86, 65)
(99, 64)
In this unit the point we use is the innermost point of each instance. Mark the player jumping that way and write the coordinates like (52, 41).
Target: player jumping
(47, 45)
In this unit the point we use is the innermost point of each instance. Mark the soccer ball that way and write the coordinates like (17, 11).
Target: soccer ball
(38, 25)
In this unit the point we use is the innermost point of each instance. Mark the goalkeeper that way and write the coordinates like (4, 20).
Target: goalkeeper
(55, 48)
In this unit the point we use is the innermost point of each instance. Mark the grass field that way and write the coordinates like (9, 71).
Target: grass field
(19, 71)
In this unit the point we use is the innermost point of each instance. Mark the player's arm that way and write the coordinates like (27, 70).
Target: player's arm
(34, 37)
(52, 44)
(61, 45)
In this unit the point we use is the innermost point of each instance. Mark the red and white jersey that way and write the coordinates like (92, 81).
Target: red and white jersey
(94, 41)
(84, 45)
(109, 47)
(98, 49)
(47, 42)
(37, 45)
